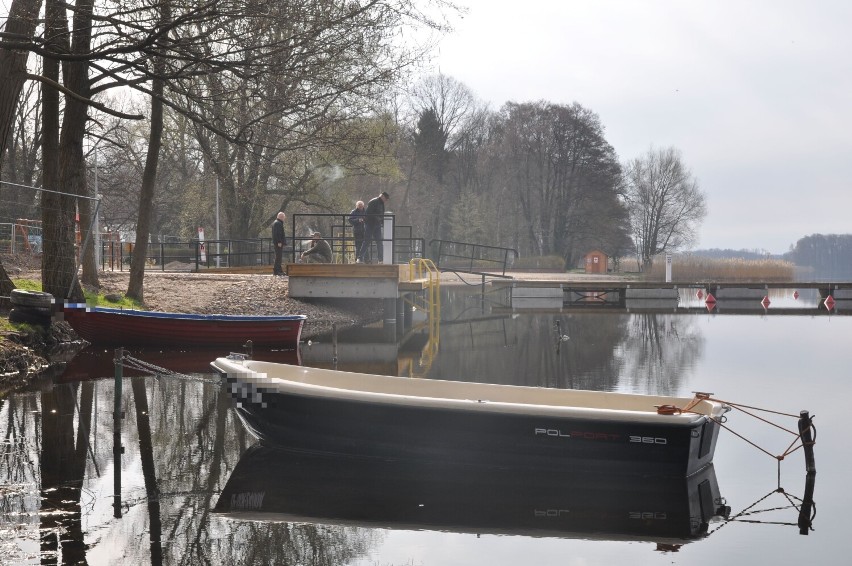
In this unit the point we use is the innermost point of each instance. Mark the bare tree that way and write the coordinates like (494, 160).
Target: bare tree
(20, 26)
(272, 121)
(562, 173)
(259, 80)
(665, 203)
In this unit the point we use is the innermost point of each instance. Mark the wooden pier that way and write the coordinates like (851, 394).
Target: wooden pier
(632, 296)
(351, 281)
(394, 284)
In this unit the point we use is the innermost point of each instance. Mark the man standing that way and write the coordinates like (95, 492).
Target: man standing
(279, 240)
(373, 225)
(356, 218)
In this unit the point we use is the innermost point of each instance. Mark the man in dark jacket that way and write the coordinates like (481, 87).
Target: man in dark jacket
(279, 240)
(319, 252)
(373, 225)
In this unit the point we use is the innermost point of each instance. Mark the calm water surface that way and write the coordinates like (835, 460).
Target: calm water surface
(182, 443)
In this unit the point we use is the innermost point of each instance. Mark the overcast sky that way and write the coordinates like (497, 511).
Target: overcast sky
(756, 94)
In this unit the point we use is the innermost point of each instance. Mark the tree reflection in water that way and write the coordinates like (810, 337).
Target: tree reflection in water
(179, 450)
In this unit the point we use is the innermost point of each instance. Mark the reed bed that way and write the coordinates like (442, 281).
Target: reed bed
(702, 269)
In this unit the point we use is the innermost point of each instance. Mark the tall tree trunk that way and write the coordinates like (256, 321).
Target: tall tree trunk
(135, 289)
(87, 208)
(22, 20)
(57, 260)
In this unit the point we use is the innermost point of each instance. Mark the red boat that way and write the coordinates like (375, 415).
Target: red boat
(128, 327)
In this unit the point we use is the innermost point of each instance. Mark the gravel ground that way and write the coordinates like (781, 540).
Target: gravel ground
(240, 294)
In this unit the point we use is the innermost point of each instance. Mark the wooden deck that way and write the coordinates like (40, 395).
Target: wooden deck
(350, 281)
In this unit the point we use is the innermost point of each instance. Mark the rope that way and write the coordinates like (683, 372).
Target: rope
(739, 517)
(795, 445)
(152, 369)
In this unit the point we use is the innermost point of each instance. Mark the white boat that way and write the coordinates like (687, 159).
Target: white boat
(328, 411)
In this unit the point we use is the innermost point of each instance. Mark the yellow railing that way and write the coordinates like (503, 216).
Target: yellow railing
(425, 269)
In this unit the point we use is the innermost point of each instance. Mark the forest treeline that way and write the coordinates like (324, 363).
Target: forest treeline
(166, 108)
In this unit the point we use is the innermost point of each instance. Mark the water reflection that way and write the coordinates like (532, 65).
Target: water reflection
(270, 484)
(184, 451)
(93, 362)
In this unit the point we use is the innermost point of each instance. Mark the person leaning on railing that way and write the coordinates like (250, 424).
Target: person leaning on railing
(356, 219)
(375, 215)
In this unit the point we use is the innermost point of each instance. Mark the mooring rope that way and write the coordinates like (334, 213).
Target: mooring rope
(795, 445)
(155, 370)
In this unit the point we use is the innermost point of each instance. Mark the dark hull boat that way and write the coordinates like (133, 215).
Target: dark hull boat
(128, 327)
(271, 484)
(318, 410)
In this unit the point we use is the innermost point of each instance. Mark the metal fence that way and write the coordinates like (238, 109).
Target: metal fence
(194, 255)
(471, 258)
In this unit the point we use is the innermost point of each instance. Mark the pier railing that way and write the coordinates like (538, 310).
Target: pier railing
(195, 255)
(466, 257)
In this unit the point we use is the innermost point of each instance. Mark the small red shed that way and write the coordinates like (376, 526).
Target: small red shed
(596, 262)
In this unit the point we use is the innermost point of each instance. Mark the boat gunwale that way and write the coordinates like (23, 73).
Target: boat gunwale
(276, 384)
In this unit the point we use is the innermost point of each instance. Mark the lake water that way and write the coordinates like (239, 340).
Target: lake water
(181, 444)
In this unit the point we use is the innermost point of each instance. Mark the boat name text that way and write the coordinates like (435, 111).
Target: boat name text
(605, 436)
(648, 440)
(585, 435)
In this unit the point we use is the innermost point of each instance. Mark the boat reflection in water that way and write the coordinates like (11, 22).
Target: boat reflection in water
(95, 362)
(273, 484)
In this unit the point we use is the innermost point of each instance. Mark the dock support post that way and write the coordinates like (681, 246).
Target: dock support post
(806, 433)
(389, 320)
(407, 315)
(334, 344)
(400, 317)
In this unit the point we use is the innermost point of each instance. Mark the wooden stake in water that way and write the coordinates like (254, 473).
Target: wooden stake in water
(806, 433)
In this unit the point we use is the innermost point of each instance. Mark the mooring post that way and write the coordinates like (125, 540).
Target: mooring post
(334, 343)
(389, 323)
(117, 449)
(806, 433)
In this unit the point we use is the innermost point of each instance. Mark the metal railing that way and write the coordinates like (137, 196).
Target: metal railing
(193, 255)
(466, 257)
(339, 233)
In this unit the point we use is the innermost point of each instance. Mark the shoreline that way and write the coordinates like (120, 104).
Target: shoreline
(23, 357)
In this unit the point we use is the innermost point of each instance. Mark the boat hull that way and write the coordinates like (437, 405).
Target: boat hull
(127, 327)
(276, 485)
(472, 432)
